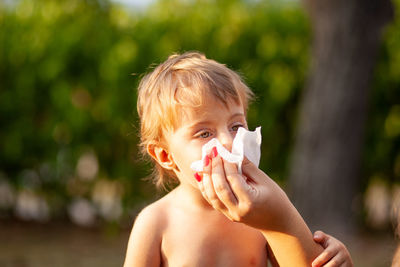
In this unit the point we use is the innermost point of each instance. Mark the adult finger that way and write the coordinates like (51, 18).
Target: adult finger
(210, 194)
(221, 185)
(204, 179)
(199, 177)
(253, 172)
(237, 182)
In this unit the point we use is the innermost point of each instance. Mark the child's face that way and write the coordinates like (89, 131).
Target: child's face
(197, 127)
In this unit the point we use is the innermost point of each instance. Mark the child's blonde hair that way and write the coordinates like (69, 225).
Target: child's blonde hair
(182, 81)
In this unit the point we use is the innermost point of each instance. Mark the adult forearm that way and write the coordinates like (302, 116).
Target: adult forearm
(292, 243)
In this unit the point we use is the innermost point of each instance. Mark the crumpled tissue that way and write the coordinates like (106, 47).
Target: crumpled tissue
(245, 144)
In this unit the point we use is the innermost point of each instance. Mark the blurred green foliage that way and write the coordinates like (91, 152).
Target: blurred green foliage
(382, 148)
(68, 97)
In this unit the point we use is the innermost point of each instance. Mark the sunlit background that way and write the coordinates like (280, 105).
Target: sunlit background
(71, 177)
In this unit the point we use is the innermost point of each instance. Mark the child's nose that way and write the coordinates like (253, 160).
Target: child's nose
(226, 139)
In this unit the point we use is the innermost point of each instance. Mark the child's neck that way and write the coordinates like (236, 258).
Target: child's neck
(193, 196)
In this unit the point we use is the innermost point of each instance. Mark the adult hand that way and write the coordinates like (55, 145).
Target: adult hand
(257, 201)
(252, 198)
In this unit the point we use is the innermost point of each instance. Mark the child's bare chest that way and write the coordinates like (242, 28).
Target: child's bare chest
(212, 243)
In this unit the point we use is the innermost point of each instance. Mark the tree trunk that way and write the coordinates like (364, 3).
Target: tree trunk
(324, 174)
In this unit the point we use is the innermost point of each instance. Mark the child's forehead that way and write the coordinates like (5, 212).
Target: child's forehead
(190, 114)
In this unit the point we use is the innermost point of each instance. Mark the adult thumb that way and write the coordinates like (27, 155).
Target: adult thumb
(252, 171)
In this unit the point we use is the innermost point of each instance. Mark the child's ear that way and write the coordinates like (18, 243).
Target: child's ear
(161, 155)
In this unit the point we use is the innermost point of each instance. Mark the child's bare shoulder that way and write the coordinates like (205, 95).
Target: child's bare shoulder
(153, 215)
(146, 235)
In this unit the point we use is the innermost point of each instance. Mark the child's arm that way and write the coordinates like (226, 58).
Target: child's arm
(145, 240)
(335, 253)
(260, 203)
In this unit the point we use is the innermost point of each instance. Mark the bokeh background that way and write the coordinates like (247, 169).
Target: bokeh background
(71, 177)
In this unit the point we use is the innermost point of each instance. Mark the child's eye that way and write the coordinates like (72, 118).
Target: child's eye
(236, 127)
(204, 134)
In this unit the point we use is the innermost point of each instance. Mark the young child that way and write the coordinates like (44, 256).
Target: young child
(184, 103)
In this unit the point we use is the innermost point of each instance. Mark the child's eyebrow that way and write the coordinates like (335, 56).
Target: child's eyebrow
(198, 123)
(237, 115)
(205, 122)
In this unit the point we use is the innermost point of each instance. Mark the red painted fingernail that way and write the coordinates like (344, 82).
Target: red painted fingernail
(197, 176)
(214, 152)
(206, 161)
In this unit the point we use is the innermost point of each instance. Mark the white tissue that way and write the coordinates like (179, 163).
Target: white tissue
(246, 143)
